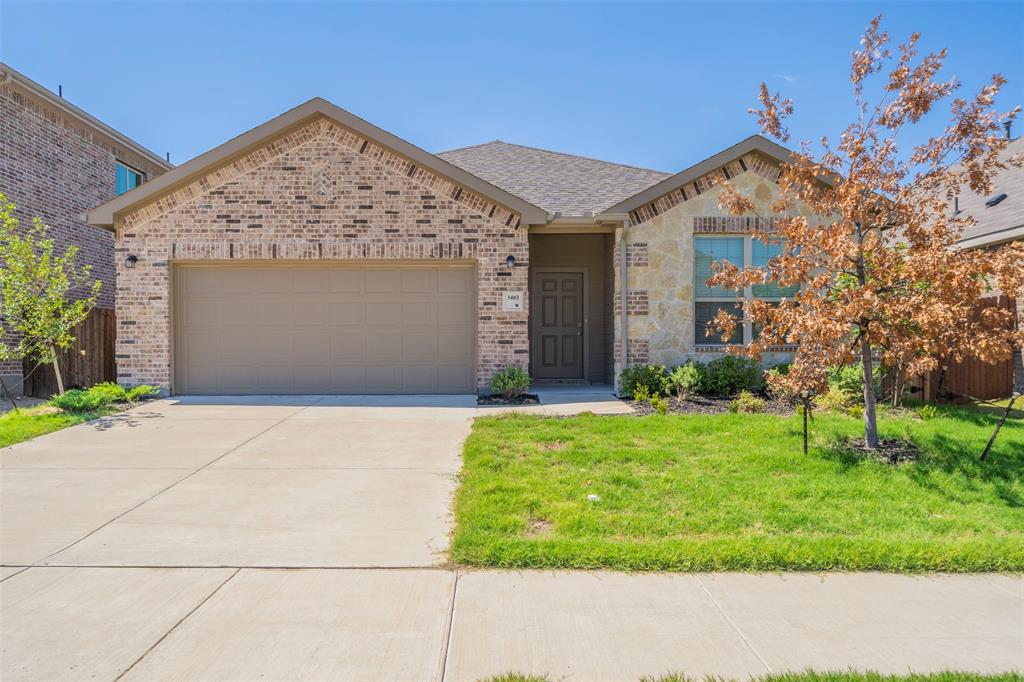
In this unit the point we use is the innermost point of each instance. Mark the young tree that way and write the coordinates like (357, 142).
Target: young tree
(37, 287)
(878, 268)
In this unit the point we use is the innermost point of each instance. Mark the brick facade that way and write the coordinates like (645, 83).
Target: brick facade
(57, 168)
(321, 192)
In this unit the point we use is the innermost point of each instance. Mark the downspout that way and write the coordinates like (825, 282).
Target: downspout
(623, 296)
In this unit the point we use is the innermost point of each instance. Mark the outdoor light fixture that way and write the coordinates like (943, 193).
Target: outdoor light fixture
(130, 261)
(510, 261)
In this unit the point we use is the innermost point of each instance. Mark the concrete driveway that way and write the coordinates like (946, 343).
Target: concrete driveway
(301, 538)
(255, 481)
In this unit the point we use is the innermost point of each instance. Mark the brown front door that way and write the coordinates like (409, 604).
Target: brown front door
(557, 325)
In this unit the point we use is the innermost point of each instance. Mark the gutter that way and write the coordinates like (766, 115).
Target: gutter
(993, 238)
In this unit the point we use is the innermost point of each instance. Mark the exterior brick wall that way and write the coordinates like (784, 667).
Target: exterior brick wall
(318, 193)
(638, 351)
(637, 303)
(56, 168)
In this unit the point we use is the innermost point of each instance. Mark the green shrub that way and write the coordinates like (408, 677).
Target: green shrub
(510, 382)
(926, 412)
(687, 379)
(109, 392)
(136, 393)
(730, 374)
(641, 393)
(850, 378)
(76, 400)
(835, 400)
(653, 377)
(747, 402)
(855, 411)
(659, 404)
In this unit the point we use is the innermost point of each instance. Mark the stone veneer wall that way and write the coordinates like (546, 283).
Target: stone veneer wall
(318, 193)
(56, 168)
(660, 296)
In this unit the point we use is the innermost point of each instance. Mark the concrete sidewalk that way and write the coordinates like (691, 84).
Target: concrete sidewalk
(433, 624)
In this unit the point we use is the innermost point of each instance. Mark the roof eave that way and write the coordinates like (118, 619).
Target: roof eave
(106, 214)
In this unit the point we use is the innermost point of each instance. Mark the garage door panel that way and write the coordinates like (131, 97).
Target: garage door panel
(455, 281)
(419, 313)
(384, 312)
(310, 347)
(383, 281)
(325, 329)
(383, 346)
(418, 280)
(347, 313)
(348, 346)
(383, 378)
(453, 312)
(346, 280)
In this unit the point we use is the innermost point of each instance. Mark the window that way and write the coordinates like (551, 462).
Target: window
(740, 251)
(128, 178)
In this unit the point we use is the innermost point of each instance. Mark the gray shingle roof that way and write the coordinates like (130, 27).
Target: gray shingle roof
(993, 222)
(553, 181)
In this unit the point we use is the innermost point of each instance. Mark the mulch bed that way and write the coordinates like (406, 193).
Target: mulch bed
(704, 405)
(890, 450)
(524, 399)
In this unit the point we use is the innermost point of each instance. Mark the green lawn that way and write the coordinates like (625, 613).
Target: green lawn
(30, 422)
(735, 492)
(810, 676)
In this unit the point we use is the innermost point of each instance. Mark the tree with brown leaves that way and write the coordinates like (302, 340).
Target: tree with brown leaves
(878, 272)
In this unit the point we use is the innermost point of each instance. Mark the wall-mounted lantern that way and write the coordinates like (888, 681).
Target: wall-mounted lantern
(510, 261)
(130, 261)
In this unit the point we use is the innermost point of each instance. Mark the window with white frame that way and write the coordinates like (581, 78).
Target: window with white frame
(741, 251)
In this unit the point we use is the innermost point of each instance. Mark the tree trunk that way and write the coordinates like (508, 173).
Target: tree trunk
(56, 370)
(1002, 420)
(870, 419)
(8, 395)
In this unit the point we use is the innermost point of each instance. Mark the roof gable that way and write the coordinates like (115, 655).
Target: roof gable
(557, 182)
(756, 153)
(412, 159)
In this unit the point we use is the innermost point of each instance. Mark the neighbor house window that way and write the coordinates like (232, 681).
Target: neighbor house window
(741, 252)
(128, 178)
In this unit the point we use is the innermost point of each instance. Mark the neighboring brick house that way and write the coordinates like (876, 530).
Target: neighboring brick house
(57, 162)
(319, 254)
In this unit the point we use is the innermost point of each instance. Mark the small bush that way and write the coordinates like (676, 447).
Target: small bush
(659, 404)
(140, 392)
(109, 392)
(730, 374)
(510, 382)
(687, 379)
(926, 412)
(850, 378)
(653, 377)
(855, 411)
(835, 400)
(641, 393)
(747, 402)
(76, 400)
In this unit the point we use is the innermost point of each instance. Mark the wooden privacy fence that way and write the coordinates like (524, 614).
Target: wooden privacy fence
(90, 360)
(973, 378)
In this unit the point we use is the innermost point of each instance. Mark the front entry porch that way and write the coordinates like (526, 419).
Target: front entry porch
(571, 313)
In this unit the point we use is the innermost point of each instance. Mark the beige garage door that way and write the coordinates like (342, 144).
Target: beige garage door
(324, 329)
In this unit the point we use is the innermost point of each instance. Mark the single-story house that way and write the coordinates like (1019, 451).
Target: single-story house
(57, 162)
(318, 253)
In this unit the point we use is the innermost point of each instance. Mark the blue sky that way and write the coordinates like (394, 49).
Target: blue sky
(655, 85)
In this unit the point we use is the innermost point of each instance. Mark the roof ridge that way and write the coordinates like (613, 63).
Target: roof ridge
(552, 151)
